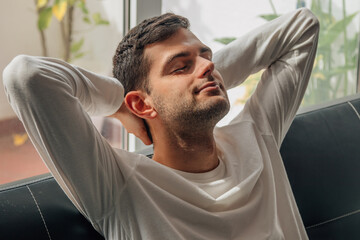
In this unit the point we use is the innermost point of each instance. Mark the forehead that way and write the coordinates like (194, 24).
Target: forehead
(182, 40)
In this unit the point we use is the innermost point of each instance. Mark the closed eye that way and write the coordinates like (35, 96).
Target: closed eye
(181, 69)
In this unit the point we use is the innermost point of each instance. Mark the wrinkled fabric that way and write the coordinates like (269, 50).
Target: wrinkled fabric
(129, 196)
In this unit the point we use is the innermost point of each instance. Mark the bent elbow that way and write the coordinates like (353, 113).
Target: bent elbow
(22, 80)
(21, 71)
(312, 18)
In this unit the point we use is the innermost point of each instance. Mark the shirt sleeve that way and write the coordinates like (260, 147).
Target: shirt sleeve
(53, 99)
(286, 48)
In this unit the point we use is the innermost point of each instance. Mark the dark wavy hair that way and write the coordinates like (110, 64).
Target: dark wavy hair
(129, 64)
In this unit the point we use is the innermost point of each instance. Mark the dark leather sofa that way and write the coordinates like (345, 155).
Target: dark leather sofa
(321, 153)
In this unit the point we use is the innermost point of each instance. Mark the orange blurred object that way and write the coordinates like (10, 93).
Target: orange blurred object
(18, 157)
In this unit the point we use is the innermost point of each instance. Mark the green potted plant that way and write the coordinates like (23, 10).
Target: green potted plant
(63, 11)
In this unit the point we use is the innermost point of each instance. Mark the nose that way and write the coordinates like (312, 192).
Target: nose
(206, 67)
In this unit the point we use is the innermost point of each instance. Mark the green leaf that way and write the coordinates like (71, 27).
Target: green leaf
(44, 18)
(83, 7)
(99, 20)
(87, 20)
(225, 40)
(352, 45)
(78, 55)
(269, 17)
(334, 30)
(75, 47)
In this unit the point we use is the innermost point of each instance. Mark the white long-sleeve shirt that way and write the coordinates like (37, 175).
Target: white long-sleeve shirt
(129, 196)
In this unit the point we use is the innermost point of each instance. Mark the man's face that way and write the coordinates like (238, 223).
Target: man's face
(186, 89)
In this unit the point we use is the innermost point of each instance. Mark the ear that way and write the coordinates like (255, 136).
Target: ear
(137, 102)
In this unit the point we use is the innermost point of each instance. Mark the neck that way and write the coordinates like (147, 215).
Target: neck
(189, 151)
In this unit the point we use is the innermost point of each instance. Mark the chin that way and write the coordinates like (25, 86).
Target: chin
(201, 114)
(216, 109)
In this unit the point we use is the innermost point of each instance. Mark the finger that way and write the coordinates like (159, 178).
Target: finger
(144, 137)
(146, 141)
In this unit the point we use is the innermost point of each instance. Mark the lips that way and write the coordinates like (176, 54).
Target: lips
(208, 86)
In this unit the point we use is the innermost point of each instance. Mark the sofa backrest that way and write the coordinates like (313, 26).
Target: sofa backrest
(321, 154)
(37, 208)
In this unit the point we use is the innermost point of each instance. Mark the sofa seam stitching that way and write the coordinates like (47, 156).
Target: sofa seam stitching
(352, 106)
(334, 219)
(38, 207)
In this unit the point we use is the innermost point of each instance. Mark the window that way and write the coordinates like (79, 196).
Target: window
(335, 73)
(18, 158)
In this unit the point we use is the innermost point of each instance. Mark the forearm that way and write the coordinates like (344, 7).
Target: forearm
(263, 46)
(51, 97)
(26, 76)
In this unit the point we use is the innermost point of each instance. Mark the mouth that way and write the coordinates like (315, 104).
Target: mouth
(209, 86)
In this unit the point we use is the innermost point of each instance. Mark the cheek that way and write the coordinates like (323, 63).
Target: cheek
(170, 96)
(174, 89)
(179, 89)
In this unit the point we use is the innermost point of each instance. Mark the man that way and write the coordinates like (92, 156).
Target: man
(203, 182)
